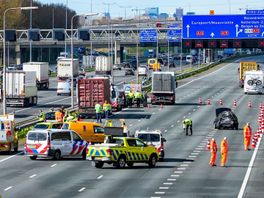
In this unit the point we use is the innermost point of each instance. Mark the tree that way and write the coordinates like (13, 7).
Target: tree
(12, 17)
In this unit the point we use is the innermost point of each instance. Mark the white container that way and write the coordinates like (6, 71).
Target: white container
(64, 67)
(253, 82)
(103, 65)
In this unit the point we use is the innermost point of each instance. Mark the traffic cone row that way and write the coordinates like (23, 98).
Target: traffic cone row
(260, 130)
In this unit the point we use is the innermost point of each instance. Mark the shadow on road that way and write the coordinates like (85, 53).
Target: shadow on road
(176, 160)
(188, 104)
(131, 116)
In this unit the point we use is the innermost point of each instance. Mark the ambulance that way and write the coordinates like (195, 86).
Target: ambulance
(8, 138)
(54, 143)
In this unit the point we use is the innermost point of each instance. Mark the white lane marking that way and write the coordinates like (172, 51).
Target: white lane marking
(161, 193)
(130, 125)
(167, 183)
(199, 148)
(172, 125)
(194, 153)
(192, 156)
(32, 176)
(154, 197)
(153, 113)
(178, 172)
(187, 162)
(163, 188)
(184, 117)
(178, 121)
(82, 189)
(186, 165)
(201, 145)
(166, 131)
(53, 165)
(175, 175)
(139, 120)
(189, 113)
(8, 188)
(2, 160)
(99, 177)
(194, 109)
(246, 178)
(182, 168)
(171, 179)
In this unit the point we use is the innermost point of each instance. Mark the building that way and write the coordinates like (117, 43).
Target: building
(178, 14)
(163, 16)
(152, 13)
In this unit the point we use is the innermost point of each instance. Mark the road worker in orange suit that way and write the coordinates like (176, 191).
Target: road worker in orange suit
(224, 151)
(213, 150)
(247, 136)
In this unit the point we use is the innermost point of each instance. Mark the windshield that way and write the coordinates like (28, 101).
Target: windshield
(149, 137)
(152, 61)
(35, 136)
(65, 126)
(41, 126)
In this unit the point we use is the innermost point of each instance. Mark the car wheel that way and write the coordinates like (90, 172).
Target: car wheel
(152, 161)
(84, 154)
(99, 164)
(121, 162)
(130, 164)
(57, 155)
(33, 157)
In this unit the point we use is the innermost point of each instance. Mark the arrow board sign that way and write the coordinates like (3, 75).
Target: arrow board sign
(148, 36)
(223, 26)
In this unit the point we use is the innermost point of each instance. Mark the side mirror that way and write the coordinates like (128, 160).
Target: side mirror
(164, 140)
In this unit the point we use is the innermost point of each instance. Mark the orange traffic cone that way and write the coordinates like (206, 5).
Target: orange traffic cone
(249, 104)
(253, 144)
(234, 103)
(208, 145)
(220, 102)
(208, 101)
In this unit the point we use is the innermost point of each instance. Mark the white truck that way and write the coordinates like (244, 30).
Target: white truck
(103, 65)
(65, 69)
(21, 88)
(254, 82)
(42, 73)
(8, 138)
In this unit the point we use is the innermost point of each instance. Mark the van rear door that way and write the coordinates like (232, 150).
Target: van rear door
(37, 143)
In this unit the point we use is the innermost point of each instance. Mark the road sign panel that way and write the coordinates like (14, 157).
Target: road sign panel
(254, 11)
(223, 26)
(148, 36)
(173, 34)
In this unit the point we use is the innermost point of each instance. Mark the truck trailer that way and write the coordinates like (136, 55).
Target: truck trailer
(243, 67)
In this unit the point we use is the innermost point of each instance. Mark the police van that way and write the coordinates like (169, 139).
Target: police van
(54, 143)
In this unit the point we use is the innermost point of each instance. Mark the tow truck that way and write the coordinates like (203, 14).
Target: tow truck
(121, 151)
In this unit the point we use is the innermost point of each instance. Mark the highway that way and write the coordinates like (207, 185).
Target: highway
(185, 171)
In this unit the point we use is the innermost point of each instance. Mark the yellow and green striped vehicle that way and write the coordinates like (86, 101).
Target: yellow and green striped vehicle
(122, 151)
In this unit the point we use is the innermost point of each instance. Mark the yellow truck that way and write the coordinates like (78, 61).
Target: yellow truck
(243, 67)
(8, 138)
(154, 64)
(122, 151)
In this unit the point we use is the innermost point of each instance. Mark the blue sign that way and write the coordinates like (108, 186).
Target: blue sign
(255, 12)
(223, 26)
(174, 34)
(148, 36)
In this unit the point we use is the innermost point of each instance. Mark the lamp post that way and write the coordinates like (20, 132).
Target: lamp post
(66, 25)
(4, 52)
(72, 87)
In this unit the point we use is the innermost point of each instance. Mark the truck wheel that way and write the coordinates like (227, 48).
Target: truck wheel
(121, 162)
(84, 154)
(99, 164)
(152, 161)
(57, 155)
(33, 157)
(130, 164)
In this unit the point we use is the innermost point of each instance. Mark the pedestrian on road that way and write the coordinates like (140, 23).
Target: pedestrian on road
(213, 150)
(59, 115)
(98, 111)
(42, 116)
(224, 151)
(187, 124)
(107, 109)
(247, 136)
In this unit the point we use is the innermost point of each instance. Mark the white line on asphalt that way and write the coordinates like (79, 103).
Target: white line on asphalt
(154, 197)
(192, 156)
(194, 109)
(153, 113)
(189, 113)
(246, 178)
(172, 125)
(163, 188)
(201, 145)
(161, 193)
(194, 153)
(184, 117)
(175, 175)
(53, 165)
(187, 162)
(130, 125)
(82, 189)
(8, 188)
(166, 131)
(32, 176)
(178, 172)
(186, 165)
(167, 183)
(199, 148)
(139, 120)
(178, 121)
(182, 168)
(100, 177)
(2, 160)
(171, 179)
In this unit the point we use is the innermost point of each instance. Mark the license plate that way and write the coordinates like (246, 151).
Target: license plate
(31, 146)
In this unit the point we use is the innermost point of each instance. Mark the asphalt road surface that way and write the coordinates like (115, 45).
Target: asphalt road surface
(185, 171)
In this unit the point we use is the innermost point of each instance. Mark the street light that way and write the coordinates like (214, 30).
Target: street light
(72, 87)
(4, 53)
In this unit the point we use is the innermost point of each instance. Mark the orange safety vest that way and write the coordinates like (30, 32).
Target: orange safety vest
(247, 132)
(224, 146)
(58, 116)
(213, 146)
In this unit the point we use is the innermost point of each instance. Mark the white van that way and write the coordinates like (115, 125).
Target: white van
(189, 59)
(153, 138)
(55, 143)
(143, 70)
(64, 88)
(253, 82)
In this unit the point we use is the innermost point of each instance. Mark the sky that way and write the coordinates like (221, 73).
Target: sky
(117, 7)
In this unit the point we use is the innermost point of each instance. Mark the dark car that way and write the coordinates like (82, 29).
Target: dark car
(129, 72)
(225, 119)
